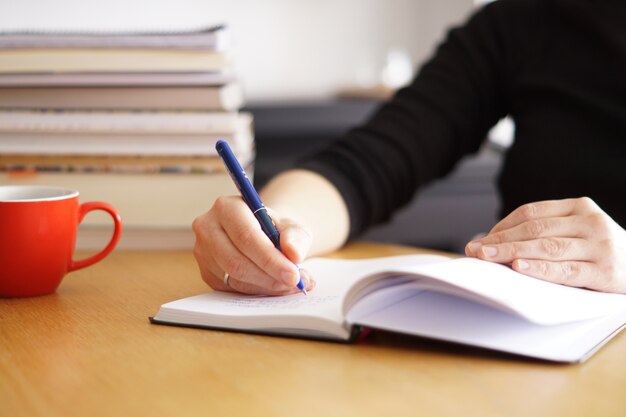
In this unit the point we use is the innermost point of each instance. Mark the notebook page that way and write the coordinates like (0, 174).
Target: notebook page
(321, 310)
(538, 301)
(447, 317)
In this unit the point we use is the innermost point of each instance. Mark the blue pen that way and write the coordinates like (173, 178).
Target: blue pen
(251, 197)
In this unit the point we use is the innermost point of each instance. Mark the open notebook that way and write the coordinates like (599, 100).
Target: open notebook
(464, 300)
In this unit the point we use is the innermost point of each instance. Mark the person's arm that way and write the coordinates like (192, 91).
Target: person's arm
(310, 215)
(371, 171)
(313, 203)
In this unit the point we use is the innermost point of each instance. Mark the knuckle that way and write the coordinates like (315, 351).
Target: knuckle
(221, 204)
(597, 223)
(586, 203)
(543, 269)
(197, 251)
(553, 247)
(535, 228)
(570, 272)
(515, 250)
(195, 225)
(198, 224)
(529, 211)
(204, 233)
(495, 239)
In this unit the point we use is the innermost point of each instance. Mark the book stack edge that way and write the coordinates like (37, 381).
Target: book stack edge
(130, 118)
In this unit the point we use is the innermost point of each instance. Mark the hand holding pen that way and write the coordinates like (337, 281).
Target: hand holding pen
(236, 248)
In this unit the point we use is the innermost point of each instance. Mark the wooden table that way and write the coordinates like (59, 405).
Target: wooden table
(89, 350)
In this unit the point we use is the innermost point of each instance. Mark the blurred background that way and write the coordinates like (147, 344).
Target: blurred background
(310, 70)
(283, 49)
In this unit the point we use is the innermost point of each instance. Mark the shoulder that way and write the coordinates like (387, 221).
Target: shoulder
(510, 30)
(513, 15)
(518, 8)
(501, 28)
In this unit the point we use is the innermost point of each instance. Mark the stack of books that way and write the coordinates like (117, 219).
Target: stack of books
(126, 118)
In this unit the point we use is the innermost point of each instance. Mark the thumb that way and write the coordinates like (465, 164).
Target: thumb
(295, 240)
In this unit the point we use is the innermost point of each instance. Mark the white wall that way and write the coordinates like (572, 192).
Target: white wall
(283, 49)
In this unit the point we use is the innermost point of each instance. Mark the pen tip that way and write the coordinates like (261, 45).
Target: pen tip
(304, 291)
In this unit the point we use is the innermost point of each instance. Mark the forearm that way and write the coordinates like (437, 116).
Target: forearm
(311, 200)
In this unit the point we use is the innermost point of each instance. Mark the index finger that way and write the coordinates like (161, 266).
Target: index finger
(536, 210)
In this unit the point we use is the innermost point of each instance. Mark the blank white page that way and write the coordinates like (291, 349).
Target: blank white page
(450, 318)
(539, 301)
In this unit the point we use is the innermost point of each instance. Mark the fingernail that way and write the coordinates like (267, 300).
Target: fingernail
(289, 277)
(521, 264)
(474, 246)
(490, 251)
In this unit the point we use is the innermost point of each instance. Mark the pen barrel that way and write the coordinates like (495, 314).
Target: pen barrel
(239, 176)
(268, 226)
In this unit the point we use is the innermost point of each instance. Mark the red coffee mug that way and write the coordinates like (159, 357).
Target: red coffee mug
(38, 228)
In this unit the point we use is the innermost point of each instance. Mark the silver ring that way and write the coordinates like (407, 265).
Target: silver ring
(226, 278)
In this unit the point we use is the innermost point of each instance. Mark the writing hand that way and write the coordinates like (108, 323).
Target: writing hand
(571, 242)
(230, 239)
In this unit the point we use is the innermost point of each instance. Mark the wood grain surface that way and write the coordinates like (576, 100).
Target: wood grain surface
(89, 350)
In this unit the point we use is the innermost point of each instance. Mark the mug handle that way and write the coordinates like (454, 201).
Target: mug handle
(117, 232)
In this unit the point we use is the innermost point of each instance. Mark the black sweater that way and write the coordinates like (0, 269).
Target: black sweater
(557, 67)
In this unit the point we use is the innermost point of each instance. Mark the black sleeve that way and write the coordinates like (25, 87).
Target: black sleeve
(422, 132)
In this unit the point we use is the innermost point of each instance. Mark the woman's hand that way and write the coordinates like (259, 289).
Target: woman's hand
(571, 242)
(230, 240)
